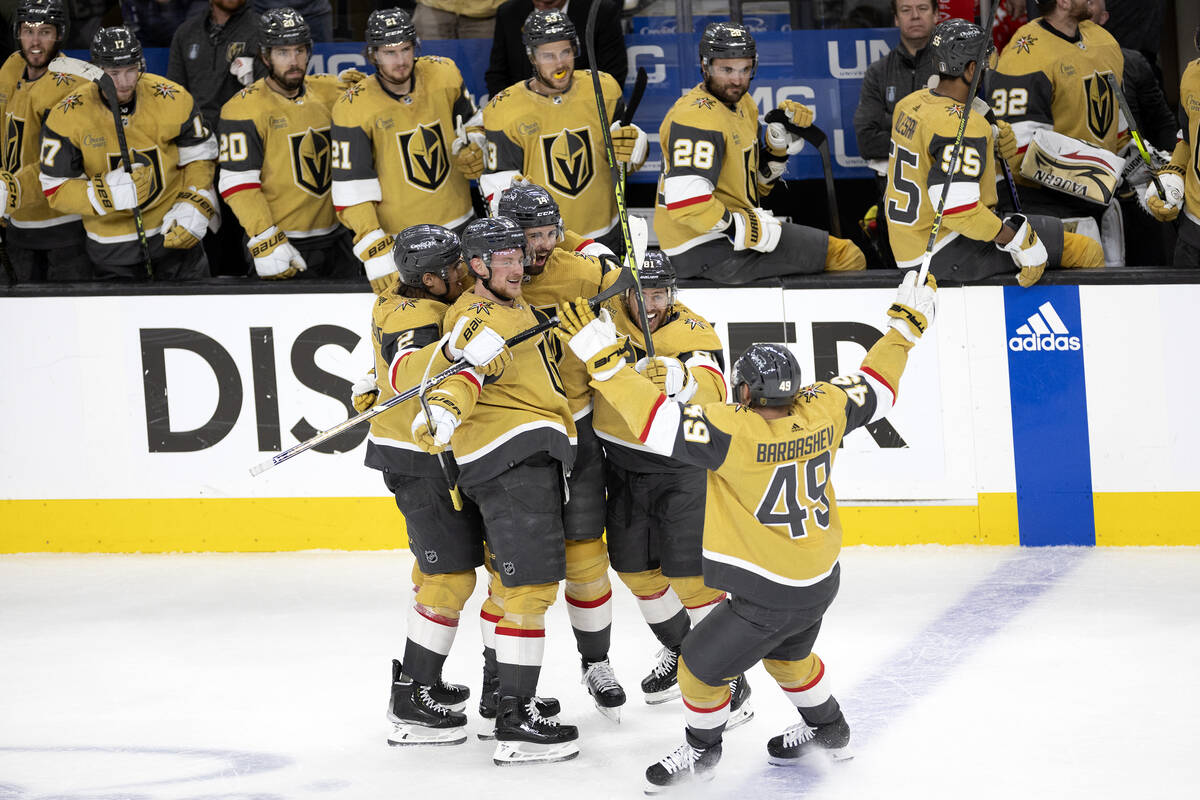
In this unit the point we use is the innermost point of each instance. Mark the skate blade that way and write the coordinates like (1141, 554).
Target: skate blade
(612, 714)
(654, 789)
(665, 696)
(740, 717)
(409, 735)
(510, 754)
(834, 756)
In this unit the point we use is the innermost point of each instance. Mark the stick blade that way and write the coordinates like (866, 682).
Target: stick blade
(639, 234)
(74, 66)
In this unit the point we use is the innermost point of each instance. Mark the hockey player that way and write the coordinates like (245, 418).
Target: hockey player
(973, 242)
(554, 275)
(546, 129)
(406, 327)
(772, 535)
(1181, 177)
(655, 503)
(42, 243)
(1051, 85)
(715, 171)
(174, 157)
(275, 155)
(512, 440)
(392, 140)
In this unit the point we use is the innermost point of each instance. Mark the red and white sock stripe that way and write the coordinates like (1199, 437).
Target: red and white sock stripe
(487, 627)
(812, 693)
(520, 646)
(698, 613)
(431, 631)
(659, 607)
(705, 719)
(590, 615)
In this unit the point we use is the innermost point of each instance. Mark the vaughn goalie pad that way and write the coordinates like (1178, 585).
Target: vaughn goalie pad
(1072, 166)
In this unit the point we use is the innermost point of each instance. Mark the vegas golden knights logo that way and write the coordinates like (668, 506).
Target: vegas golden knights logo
(1101, 104)
(311, 160)
(150, 159)
(568, 157)
(426, 162)
(14, 137)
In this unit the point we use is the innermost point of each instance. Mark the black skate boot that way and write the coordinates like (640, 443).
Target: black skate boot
(602, 685)
(420, 719)
(686, 765)
(800, 740)
(524, 736)
(740, 711)
(489, 699)
(452, 695)
(662, 684)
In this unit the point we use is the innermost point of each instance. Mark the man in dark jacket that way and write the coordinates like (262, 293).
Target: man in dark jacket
(898, 74)
(510, 63)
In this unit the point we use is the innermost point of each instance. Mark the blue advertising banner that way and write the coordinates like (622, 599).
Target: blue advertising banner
(822, 68)
(1051, 448)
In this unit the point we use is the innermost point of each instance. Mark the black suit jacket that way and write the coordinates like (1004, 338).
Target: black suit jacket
(509, 63)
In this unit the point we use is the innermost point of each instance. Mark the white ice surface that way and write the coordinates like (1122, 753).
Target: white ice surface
(964, 672)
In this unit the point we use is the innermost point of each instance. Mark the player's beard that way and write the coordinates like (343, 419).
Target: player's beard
(397, 78)
(1081, 12)
(727, 94)
(560, 84)
(537, 264)
(42, 60)
(291, 82)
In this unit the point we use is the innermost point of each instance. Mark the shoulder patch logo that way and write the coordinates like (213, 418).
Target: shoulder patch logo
(500, 95)
(694, 323)
(567, 156)
(164, 90)
(426, 162)
(955, 111)
(70, 101)
(405, 304)
(704, 102)
(62, 78)
(810, 393)
(249, 90)
(1024, 44)
(353, 91)
(481, 307)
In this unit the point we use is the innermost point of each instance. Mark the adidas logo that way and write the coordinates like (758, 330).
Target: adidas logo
(1044, 331)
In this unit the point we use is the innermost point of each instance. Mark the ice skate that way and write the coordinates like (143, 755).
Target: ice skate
(452, 695)
(800, 741)
(524, 736)
(740, 711)
(489, 699)
(684, 766)
(602, 685)
(662, 684)
(419, 719)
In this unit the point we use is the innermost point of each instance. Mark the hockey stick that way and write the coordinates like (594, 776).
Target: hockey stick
(990, 116)
(635, 100)
(1123, 104)
(956, 157)
(621, 284)
(109, 90)
(455, 495)
(618, 184)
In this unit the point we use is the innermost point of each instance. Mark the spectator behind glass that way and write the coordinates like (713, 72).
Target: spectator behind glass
(455, 19)
(213, 56)
(1010, 15)
(86, 16)
(510, 63)
(155, 21)
(317, 13)
(889, 80)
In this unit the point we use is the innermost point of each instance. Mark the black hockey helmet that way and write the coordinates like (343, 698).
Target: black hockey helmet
(116, 47)
(282, 27)
(41, 12)
(545, 27)
(771, 372)
(727, 40)
(390, 26)
(656, 271)
(531, 206)
(483, 237)
(426, 248)
(955, 44)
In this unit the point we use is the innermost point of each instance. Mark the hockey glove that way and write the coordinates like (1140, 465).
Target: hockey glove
(754, 229)
(481, 346)
(374, 250)
(770, 168)
(781, 141)
(671, 377)
(1027, 251)
(364, 392)
(433, 437)
(348, 77)
(1167, 210)
(242, 68)
(468, 148)
(274, 256)
(10, 193)
(185, 224)
(120, 191)
(914, 308)
(592, 339)
(630, 144)
(1006, 140)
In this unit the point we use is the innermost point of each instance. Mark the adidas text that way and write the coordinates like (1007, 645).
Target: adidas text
(1048, 342)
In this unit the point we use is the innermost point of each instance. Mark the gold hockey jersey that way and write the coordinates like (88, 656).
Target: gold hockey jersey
(165, 132)
(710, 158)
(521, 412)
(685, 335)
(1045, 80)
(1187, 151)
(771, 527)
(924, 128)
(275, 157)
(556, 142)
(25, 105)
(394, 151)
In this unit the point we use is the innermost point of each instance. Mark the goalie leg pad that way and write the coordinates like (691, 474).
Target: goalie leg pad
(1072, 166)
